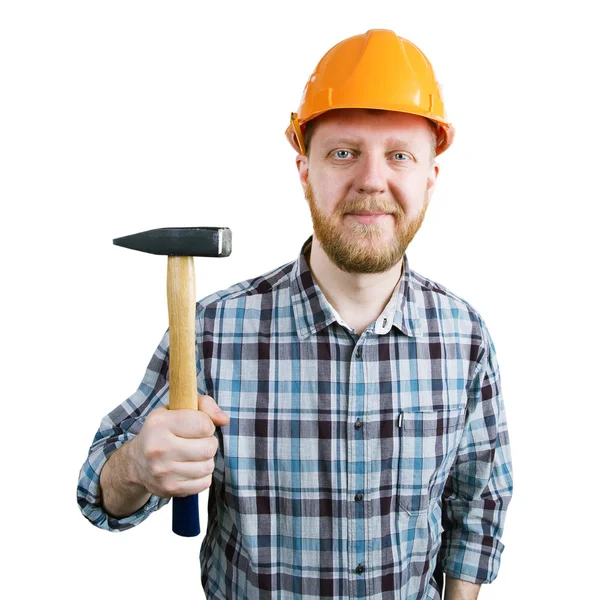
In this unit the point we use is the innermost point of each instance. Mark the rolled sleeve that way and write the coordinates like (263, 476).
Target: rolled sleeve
(89, 496)
(117, 428)
(479, 487)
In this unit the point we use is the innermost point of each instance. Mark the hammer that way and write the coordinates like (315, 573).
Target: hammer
(181, 244)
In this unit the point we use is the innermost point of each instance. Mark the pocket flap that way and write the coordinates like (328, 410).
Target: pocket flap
(431, 421)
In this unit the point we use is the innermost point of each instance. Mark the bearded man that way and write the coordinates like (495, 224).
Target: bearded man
(351, 431)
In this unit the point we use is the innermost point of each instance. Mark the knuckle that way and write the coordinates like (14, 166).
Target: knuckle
(156, 419)
(208, 466)
(205, 401)
(157, 470)
(210, 447)
(171, 488)
(154, 452)
(207, 427)
(206, 482)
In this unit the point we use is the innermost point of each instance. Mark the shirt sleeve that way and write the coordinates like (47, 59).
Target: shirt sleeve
(479, 487)
(116, 428)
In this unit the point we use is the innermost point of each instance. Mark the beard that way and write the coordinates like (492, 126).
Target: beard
(362, 247)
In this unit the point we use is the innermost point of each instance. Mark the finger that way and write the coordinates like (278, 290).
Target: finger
(208, 405)
(187, 471)
(191, 424)
(194, 450)
(193, 486)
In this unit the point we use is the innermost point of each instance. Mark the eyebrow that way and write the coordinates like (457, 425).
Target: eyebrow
(356, 141)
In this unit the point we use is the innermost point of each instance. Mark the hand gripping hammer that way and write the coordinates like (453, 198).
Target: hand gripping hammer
(181, 244)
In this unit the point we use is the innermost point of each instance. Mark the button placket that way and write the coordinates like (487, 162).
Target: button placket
(358, 527)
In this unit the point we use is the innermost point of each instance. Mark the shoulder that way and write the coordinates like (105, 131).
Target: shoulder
(267, 283)
(438, 303)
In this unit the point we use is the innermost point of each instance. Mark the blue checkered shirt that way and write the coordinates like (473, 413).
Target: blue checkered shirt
(353, 466)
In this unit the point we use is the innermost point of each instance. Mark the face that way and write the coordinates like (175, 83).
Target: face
(368, 182)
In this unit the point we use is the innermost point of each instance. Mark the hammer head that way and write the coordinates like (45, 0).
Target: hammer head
(180, 241)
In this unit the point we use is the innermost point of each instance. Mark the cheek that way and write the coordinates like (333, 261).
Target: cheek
(328, 194)
(410, 195)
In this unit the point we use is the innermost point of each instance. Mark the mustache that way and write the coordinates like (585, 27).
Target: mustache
(362, 205)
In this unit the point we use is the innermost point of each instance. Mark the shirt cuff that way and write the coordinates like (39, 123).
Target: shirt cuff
(89, 495)
(471, 557)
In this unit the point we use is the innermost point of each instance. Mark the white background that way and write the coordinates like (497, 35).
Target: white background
(118, 117)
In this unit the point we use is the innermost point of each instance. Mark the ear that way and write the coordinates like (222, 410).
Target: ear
(432, 179)
(302, 166)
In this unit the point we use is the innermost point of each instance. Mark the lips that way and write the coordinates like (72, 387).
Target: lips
(368, 217)
(368, 214)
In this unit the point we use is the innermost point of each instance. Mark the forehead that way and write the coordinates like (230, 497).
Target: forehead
(362, 124)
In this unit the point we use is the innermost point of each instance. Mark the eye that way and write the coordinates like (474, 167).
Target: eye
(401, 154)
(341, 154)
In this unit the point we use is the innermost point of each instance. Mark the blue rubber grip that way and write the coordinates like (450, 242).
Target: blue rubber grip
(186, 521)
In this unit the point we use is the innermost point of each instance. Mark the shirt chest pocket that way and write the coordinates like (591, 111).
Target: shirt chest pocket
(428, 443)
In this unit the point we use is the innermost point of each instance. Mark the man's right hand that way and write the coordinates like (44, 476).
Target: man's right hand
(173, 454)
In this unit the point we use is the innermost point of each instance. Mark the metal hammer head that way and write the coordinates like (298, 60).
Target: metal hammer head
(180, 241)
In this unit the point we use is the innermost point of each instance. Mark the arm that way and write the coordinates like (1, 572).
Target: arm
(456, 589)
(117, 429)
(479, 487)
(173, 455)
(122, 492)
(144, 454)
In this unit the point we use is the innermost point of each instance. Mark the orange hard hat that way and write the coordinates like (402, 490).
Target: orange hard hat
(377, 69)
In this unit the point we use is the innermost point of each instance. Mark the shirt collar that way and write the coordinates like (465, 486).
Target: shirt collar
(313, 312)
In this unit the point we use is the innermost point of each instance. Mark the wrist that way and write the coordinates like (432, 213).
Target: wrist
(132, 472)
(457, 589)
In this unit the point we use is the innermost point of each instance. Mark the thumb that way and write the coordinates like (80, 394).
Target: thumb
(208, 405)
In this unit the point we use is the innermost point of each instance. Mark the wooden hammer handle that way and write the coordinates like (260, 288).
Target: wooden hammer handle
(181, 298)
(183, 388)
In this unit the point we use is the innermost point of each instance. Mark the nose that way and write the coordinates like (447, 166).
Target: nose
(370, 177)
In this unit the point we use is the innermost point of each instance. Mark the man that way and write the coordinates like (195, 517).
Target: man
(361, 449)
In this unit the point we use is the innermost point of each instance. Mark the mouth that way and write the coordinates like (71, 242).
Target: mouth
(362, 212)
(368, 217)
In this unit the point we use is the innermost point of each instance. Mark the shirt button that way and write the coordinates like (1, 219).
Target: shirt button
(358, 424)
(358, 353)
(358, 497)
(359, 569)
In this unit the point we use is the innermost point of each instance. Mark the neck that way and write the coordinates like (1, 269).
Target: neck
(359, 298)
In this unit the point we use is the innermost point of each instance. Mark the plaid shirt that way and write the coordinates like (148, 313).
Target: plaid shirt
(352, 466)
